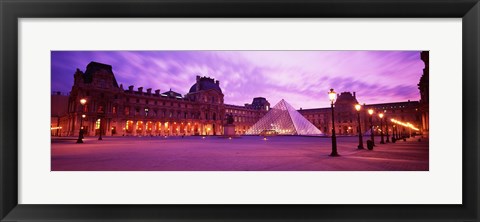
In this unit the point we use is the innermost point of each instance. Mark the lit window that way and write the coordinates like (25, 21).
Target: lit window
(100, 109)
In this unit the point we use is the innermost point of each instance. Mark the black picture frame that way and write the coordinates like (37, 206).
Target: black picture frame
(11, 11)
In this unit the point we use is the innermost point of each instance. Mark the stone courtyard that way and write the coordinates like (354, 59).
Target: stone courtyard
(246, 153)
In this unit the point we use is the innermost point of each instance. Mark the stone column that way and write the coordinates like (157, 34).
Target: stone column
(154, 128)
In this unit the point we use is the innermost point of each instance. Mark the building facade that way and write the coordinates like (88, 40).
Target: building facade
(424, 93)
(58, 117)
(114, 111)
(346, 116)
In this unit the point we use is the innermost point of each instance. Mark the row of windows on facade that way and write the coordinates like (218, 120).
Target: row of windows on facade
(146, 101)
(340, 114)
(319, 121)
(171, 114)
(233, 111)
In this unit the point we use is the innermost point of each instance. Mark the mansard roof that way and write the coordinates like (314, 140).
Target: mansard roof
(96, 67)
(205, 83)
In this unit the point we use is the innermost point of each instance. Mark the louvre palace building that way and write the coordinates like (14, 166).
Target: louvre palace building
(116, 110)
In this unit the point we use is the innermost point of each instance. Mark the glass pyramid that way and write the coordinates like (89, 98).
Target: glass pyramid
(283, 119)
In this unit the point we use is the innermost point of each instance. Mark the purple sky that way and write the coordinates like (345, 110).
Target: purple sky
(302, 78)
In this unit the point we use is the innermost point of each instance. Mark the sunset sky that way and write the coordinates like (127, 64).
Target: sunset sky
(302, 78)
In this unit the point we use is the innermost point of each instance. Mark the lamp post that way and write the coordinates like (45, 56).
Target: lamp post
(333, 95)
(81, 124)
(80, 132)
(146, 121)
(360, 137)
(394, 138)
(370, 111)
(100, 129)
(381, 128)
(386, 126)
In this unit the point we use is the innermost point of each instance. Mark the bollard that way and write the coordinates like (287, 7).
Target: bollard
(369, 144)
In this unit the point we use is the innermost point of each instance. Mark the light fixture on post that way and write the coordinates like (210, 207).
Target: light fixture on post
(360, 137)
(333, 95)
(386, 129)
(80, 132)
(393, 134)
(372, 132)
(100, 128)
(381, 128)
(146, 112)
(394, 130)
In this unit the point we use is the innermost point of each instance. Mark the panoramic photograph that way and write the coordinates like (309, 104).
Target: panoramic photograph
(239, 110)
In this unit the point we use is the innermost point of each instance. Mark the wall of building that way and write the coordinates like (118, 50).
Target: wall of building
(115, 111)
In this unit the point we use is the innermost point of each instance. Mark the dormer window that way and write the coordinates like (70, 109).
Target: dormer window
(102, 83)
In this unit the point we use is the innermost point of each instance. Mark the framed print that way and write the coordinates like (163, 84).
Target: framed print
(209, 110)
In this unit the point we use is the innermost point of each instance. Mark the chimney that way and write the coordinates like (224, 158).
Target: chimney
(130, 88)
(198, 84)
(217, 82)
(121, 87)
(354, 95)
(140, 89)
(157, 92)
(149, 91)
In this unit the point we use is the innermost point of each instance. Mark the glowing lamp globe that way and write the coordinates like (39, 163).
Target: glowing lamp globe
(332, 95)
(358, 107)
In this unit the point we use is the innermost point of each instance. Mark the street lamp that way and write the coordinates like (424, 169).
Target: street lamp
(370, 111)
(381, 128)
(386, 126)
(393, 133)
(333, 95)
(394, 130)
(360, 137)
(80, 132)
(100, 129)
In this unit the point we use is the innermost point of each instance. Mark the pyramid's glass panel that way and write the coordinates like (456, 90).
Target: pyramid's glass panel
(283, 119)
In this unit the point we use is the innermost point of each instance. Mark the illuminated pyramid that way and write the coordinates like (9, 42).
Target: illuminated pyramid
(283, 119)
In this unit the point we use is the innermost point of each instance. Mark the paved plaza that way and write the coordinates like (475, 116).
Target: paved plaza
(246, 153)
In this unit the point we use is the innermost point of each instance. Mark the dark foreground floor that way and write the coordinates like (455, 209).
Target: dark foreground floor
(248, 153)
